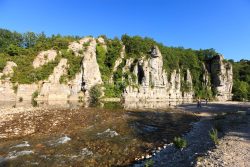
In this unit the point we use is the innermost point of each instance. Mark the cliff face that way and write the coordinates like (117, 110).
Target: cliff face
(147, 79)
(222, 78)
(154, 84)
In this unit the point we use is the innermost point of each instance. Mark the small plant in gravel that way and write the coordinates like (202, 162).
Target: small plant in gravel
(180, 142)
(149, 163)
(214, 136)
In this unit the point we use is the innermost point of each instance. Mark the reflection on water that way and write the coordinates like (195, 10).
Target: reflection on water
(107, 105)
(151, 104)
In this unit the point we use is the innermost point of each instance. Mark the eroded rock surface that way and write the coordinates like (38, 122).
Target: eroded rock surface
(7, 89)
(222, 78)
(44, 57)
(145, 77)
(153, 81)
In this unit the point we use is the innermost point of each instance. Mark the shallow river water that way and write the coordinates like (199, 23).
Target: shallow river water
(78, 136)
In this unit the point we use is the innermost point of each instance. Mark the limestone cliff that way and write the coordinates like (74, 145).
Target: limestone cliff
(222, 78)
(153, 83)
(146, 78)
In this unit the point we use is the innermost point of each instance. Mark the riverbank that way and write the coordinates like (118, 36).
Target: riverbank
(142, 134)
(233, 148)
(231, 119)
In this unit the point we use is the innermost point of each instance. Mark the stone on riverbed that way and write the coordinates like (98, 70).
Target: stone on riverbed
(24, 144)
(15, 154)
(61, 140)
(108, 133)
(86, 152)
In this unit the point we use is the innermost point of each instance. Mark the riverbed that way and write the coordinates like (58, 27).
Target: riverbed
(78, 136)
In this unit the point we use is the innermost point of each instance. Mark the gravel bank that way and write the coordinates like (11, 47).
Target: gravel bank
(233, 148)
(234, 144)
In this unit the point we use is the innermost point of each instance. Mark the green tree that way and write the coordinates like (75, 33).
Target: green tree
(30, 39)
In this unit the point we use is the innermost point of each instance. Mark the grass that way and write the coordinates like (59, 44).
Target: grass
(214, 136)
(180, 142)
(149, 163)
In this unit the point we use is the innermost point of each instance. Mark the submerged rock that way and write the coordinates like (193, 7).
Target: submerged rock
(86, 152)
(61, 140)
(25, 144)
(108, 133)
(15, 154)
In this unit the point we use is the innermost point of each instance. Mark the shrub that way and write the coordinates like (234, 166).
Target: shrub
(24, 73)
(20, 99)
(74, 63)
(15, 87)
(180, 142)
(80, 51)
(214, 136)
(112, 90)
(149, 163)
(63, 79)
(95, 94)
(33, 101)
(35, 95)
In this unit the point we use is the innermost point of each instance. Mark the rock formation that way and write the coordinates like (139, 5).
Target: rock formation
(52, 89)
(153, 84)
(222, 78)
(7, 89)
(44, 57)
(147, 80)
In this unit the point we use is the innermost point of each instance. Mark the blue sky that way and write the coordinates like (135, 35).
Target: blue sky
(220, 24)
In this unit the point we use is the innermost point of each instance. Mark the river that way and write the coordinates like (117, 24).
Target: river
(110, 135)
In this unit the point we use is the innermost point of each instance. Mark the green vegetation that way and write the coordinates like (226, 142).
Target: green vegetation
(241, 74)
(33, 100)
(114, 90)
(214, 136)
(136, 46)
(106, 58)
(101, 57)
(23, 48)
(24, 73)
(174, 58)
(95, 94)
(149, 163)
(180, 142)
(74, 64)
